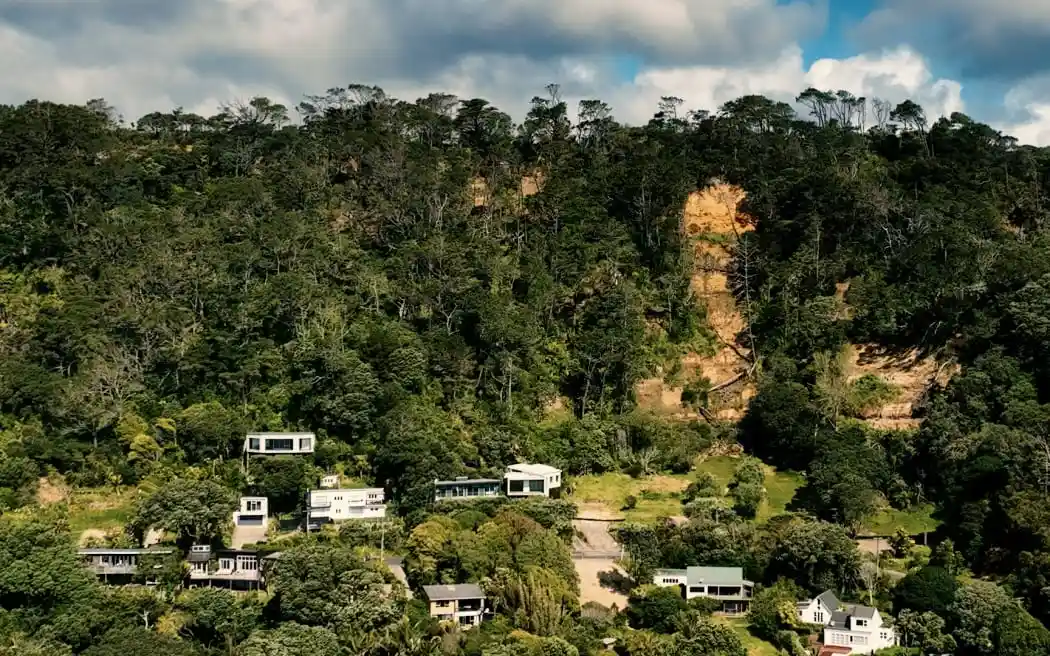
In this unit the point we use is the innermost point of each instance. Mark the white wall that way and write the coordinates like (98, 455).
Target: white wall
(360, 503)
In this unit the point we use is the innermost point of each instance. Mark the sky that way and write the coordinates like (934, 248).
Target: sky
(987, 58)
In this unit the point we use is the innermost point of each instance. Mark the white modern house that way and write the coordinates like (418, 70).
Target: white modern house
(526, 480)
(725, 584)
(339, 504)
(254, 511)
(267, 444)
(463, 604)
(848, 628)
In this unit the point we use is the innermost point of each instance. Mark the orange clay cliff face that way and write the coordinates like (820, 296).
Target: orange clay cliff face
(712, 218)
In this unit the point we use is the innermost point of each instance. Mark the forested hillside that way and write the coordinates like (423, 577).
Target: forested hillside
(437, 291)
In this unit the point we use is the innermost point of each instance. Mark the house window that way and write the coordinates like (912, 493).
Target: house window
(279, 444)
(247, 563)
(442, 604)
(536, 486)
(226, 563)
(253, 443)
(254, 506)
(818, 616)
(860, 622)
(884, 635)
(516, 486)
(304, 443)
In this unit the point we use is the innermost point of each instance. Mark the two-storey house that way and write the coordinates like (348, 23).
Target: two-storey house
(524, 480)
(463, 604)
(340, 504)
(230, 568)
(724, 584)
(848, 628)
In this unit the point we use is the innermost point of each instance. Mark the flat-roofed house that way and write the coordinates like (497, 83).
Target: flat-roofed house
(463, 603)
(340, 504)
(525, 480)
(236, 569)
(466, 488)
(266, 444)
(725, 584)
(118, 565)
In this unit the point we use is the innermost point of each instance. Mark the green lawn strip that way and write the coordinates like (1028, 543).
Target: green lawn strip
(914, 521)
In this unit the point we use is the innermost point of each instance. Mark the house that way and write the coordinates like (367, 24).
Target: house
(254, 511)
(264, 444)
(466, 488)
(524, 480)
(725, 584)
(848, 628)
(463, 603)
(336, 505)
(818, 610)
(330, 481)
(231, 568)
(117, 565)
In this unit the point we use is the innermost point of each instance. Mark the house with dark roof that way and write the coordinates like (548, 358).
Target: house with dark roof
(236, 569)
(463, 603)
(118, 565)
(818, 610)
(852, 627)
(725, 584)
(466, 488)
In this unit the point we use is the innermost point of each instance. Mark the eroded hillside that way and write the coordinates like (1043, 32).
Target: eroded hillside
(712, 218)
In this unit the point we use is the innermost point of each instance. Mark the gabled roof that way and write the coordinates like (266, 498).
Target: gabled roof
(863, 612)
(829, 599)
(453, 592)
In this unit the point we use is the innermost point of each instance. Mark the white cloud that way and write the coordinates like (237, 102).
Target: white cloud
(211, 51)
(1030, 102)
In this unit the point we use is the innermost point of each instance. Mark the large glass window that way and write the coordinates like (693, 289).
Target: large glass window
(253, 443)
(304, 443)
(517, 486)
(279, 444)
(536, 486)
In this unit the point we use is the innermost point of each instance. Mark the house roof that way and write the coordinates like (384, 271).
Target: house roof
(708, 575)
(534, 469)
(715, 575)
(279, 435)
(466, 481)
(863, 612)
(101, 551)
(451, 592)
(829, 599)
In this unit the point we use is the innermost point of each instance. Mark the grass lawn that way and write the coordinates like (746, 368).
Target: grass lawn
(102, 508)
(660, 495)
(754, 646)
(913, 521)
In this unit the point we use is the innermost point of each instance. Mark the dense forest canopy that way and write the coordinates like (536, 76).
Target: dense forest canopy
(421, 283)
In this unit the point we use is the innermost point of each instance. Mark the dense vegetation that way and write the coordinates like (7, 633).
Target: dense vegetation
(422, 282)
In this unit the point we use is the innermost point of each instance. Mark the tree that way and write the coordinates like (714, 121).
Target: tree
(773, 609)
(701, 636)
(137, 641)
(654, 607)
(816, 555)
(925, 632)
(219, 617)
(928, 589)
(195, 511)
(330, 587)
(290, 639)
(285, 482)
